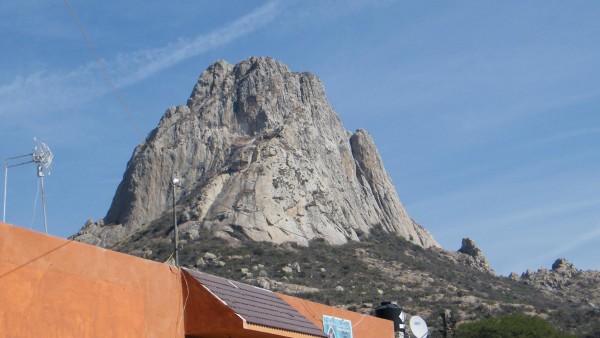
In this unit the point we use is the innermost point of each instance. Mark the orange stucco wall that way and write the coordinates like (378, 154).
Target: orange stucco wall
(362, 326)
(52, 287)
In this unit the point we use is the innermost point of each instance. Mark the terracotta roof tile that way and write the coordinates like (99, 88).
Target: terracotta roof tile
(256, 305)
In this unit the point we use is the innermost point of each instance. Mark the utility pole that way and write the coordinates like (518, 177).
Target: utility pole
(176, 244)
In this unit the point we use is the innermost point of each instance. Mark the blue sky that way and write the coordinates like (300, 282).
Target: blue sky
(485, 112)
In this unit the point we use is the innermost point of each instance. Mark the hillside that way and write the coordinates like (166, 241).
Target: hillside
(359, 275)
(271, 190)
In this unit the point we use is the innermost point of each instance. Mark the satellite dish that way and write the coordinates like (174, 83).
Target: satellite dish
(418, 327)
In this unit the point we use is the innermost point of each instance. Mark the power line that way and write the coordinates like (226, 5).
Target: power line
(103, 70)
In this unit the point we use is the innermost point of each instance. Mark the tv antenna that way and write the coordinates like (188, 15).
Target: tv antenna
(418, 327)
(42, 156)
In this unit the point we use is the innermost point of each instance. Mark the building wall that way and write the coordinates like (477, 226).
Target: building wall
(52, 287)
(363, 326)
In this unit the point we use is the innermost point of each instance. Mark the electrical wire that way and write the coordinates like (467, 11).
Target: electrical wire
(185, 302)
(105, 73)
(363, 317)
(169, 259)
(187, 290)
(309, 310)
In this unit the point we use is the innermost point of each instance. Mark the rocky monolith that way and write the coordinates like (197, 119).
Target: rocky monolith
(261, 155)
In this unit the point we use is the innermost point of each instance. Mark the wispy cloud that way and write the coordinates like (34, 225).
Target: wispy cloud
(533, 212)
(571, 243)
(571, 134)
(142, 64)
(47, 91)
(36, 92)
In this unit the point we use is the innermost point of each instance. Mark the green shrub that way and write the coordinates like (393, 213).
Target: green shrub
(512, 326)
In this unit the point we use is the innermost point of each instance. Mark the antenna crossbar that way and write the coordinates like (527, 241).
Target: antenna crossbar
(42, 156)
(6, 166)
(18, 164)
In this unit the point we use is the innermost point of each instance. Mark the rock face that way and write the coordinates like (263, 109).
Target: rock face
(566, 281)
(560, 275)
(563, 266)
(476, 258)
(260, 154)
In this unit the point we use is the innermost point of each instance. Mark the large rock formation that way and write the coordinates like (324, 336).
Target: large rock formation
(475, 257)
(260, 154)
(567, 282)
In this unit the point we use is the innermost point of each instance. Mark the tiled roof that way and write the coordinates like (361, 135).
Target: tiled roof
(257, 306)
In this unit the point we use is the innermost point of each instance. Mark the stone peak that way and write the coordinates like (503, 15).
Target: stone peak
(476, 257)
(563, 265)
(469, 247)
(263, 156)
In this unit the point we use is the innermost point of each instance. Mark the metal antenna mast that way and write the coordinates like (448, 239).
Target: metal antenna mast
(175, 182)
(42, 156)
(40, 175)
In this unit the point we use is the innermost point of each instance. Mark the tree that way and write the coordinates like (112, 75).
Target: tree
(447, 324)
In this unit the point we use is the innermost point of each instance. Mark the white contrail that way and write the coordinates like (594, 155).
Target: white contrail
(39, 92)
(147, 62)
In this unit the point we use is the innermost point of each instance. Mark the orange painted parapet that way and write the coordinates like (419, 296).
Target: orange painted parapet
(52, 287)
(363, 326)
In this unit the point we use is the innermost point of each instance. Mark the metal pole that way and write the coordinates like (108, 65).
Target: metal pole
(5, 180)
(176, 244)
(41, 177)
(6, 166)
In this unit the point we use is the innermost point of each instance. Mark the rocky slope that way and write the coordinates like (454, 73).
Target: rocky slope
(567, 282)
(259, 154)
(266, 168)
(359, 275)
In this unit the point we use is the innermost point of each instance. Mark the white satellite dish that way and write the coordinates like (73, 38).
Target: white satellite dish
(418, 327)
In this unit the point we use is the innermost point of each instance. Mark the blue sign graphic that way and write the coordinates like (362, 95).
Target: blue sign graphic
(337, 327)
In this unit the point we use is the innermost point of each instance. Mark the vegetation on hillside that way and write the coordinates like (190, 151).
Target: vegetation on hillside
(359, 275)
(511, 326)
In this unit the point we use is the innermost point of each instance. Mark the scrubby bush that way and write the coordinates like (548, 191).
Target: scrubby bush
(512, 326)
